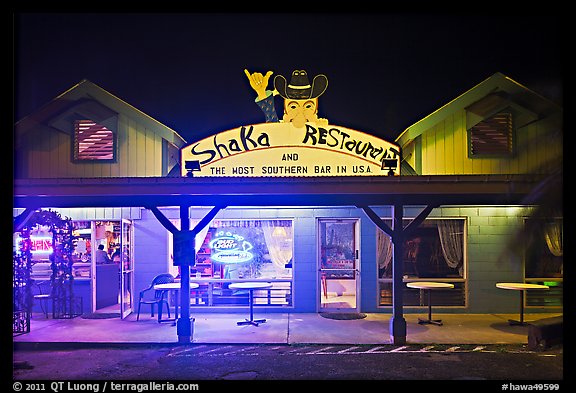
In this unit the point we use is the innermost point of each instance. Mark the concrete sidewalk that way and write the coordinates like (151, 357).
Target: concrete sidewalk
(281, 328)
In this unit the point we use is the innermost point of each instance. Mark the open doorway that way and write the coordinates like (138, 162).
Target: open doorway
(106, 249)
(103, 256)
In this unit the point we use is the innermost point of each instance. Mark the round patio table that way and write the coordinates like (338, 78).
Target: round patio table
(251, 286)
(520, 287)
(173, 286)
(429, 286)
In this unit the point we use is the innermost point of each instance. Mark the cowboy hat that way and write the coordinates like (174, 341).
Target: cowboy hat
(299, 87)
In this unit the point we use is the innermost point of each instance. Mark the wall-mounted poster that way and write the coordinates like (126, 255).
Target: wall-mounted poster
(337, 245)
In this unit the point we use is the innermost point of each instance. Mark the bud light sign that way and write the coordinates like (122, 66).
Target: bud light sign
(230, 248)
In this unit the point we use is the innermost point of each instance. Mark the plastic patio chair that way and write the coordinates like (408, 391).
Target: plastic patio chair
(154, 297)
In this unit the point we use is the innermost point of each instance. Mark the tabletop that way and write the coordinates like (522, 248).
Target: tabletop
(250, 285)
(174, 285)
(520, 286)
(429, 285)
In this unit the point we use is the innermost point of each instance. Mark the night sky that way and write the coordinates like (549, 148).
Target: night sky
(385, 71)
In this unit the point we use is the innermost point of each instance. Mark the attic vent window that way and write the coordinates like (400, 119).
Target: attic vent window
(92, 141)
(492, 136)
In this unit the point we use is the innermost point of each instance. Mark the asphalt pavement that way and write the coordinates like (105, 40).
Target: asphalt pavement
(207, 363)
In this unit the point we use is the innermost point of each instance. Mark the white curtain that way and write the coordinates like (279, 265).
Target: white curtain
(451, 233)
(383, 250)
(279, 243)
(554, 237)
(199, 239)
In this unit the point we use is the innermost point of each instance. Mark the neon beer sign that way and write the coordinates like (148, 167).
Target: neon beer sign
(38, 244)
(230, 248)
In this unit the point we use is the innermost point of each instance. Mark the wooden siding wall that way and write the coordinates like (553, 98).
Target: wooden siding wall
(48, 154)
(445, 150)
(409, 154)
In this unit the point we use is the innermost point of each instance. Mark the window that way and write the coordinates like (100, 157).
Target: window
(93, 142)
(435, 250)
(544, 260)
(492, 136)
(248, 249)
(544, 248)
(241, 250)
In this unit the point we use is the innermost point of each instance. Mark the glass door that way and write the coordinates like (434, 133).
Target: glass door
(126, 269)
(338, 249)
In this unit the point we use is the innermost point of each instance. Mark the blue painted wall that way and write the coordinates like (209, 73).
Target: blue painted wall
(489, 231)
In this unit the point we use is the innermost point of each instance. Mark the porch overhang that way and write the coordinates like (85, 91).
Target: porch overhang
(289, 191)
(362, 192)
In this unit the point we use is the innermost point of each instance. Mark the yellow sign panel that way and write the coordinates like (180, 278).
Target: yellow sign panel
(283, 150)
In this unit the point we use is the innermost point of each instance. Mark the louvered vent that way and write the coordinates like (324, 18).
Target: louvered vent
(92, 141)
(492, 137)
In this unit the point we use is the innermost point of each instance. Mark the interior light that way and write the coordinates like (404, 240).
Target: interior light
(279, 232)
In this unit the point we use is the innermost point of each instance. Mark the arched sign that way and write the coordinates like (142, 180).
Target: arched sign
(279, 149)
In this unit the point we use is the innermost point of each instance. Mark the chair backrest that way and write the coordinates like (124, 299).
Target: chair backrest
(42, 287)
(163, 278)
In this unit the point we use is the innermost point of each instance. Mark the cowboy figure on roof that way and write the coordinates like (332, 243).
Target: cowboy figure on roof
(300, 97)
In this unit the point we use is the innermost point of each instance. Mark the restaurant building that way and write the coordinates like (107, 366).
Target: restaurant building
(313, 209)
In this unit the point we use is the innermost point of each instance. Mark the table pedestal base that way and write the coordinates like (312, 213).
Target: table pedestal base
(430, 321)
(251, 287)
(428, 286)
(254, 322)
(513, 322)
(521, 288)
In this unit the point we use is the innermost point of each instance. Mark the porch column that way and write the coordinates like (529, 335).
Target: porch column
(184, 325)
(397, 322)
(184, 256)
